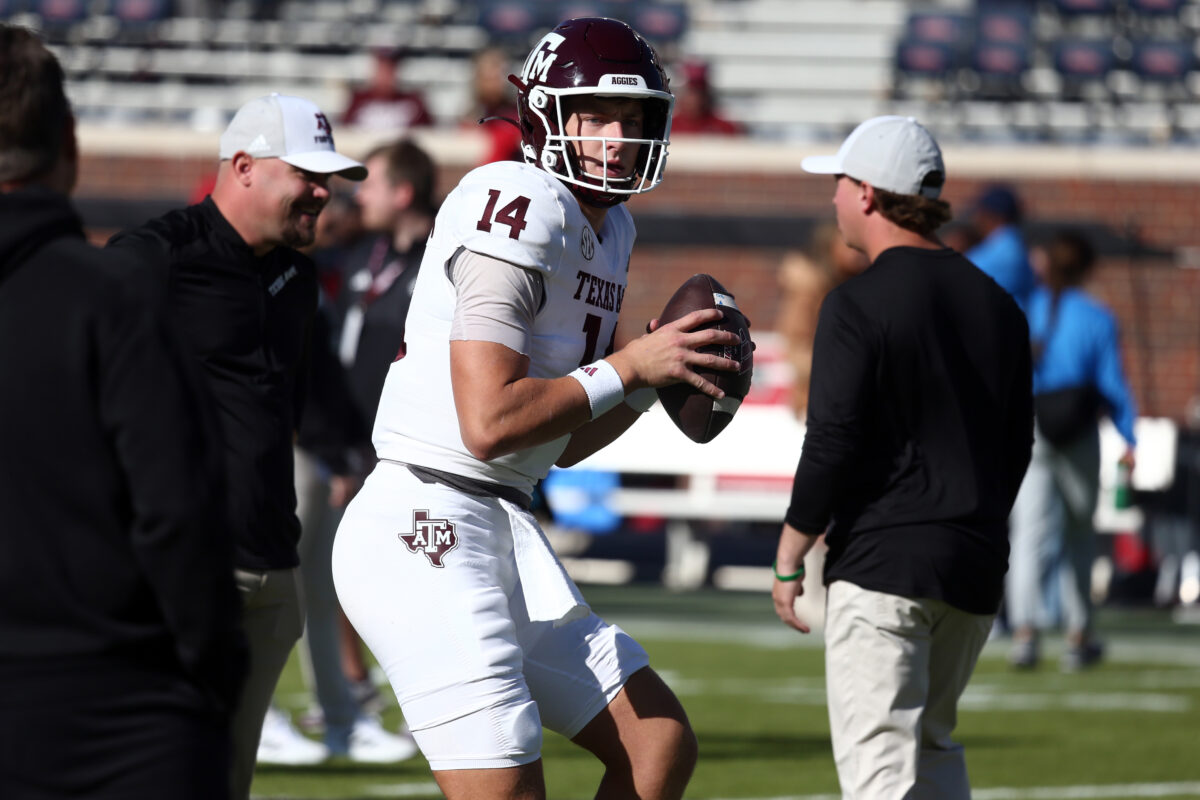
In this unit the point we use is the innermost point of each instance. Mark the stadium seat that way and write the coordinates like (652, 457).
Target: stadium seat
(1083, 68)
(10, 8)
(1155, 8)
(1006, 23)
(1083, 65)
(947, 27)
(571, 9)
(1162, 69)
(1156, 18)
(661, 23)
(922, 60)
(927, 73)
(1165, 62)
(998, 70)
(133, 11)
(1002, 51)
(511, 20)
(61, 11)
(1087, 17)
(138, 20)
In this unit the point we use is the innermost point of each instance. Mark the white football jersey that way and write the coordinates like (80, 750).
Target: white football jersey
(525, 216)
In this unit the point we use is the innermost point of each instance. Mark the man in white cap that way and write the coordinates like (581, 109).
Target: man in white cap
(920, 426)
(242, 302)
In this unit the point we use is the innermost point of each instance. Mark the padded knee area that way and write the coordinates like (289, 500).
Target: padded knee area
(508, 735)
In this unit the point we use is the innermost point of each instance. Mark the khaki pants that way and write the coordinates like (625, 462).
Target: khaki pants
(273, 618)
(895, 668)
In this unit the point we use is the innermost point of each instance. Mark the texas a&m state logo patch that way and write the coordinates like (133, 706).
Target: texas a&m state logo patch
(433, 537)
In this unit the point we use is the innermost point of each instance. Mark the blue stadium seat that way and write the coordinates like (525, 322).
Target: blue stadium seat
(571, 9)
(947, 27)
(925, 70)
(1156, 18)
(1162, 62)
(61, 11)
(925, 59)
(661, 23)
(141, 11)
(1004, 23)
(1087, 17)
(61, 20)
(10, 8)
(1155, 8)
(512, 20)
(1085, 8)
(999, 69)
(1083, 64)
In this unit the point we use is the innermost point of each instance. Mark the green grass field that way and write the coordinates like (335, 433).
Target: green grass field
(755, 694)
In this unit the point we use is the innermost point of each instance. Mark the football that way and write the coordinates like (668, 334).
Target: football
(699, 416)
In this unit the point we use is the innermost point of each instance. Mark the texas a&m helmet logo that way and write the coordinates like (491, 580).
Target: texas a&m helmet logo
(433, 537)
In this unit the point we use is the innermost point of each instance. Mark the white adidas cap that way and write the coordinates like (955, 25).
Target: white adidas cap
(892, 153)
(291, 129)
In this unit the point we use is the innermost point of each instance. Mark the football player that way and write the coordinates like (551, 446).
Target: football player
(508, 368)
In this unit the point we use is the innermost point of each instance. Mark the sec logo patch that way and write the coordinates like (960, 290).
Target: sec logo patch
(588, 244)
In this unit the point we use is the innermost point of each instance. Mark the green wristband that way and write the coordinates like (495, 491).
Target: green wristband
(785, 578)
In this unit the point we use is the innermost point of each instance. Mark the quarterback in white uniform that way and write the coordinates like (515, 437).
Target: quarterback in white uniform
(509, 368)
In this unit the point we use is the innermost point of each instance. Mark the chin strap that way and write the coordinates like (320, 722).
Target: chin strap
(509, 120)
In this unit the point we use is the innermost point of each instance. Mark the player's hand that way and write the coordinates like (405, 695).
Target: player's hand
(668, 354)
(784, 594)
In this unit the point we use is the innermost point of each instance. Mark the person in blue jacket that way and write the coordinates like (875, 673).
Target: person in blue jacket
(1002, 253)
(1077, 378)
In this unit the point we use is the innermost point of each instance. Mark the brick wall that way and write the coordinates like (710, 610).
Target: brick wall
(1155, 299)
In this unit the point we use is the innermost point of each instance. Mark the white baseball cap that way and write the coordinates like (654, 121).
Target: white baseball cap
(892, 153)
(291, 129)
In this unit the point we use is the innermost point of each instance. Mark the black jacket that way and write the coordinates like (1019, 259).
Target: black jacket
(246, 321)
(110, 547)
(920, 427)
(379, 283)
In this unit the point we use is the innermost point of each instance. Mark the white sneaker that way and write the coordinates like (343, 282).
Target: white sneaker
(371, 743)
(283, 744)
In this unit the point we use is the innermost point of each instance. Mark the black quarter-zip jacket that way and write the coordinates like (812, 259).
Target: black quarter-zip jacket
(247, 321)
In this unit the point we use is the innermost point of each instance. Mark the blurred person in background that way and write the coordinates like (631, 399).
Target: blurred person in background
(696, 105)
(920, 423)
(397, 207)
(383, 104)
(242, 300)
(494, 105)
(1077, 378)
(805, 278)
(1001, 251)
(121, 655)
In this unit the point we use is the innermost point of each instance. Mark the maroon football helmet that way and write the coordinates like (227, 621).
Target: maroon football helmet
(597, 57)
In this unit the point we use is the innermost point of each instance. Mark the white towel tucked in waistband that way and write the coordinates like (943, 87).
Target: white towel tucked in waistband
(550, 594)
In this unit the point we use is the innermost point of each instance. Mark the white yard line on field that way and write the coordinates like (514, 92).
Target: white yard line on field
(1110, 791)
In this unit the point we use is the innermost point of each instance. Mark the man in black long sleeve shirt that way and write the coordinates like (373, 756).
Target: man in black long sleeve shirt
(242, 300)
(121, 656)
(919, 431)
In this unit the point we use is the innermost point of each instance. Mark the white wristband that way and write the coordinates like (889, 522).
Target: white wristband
(642, 400)
(602, 384)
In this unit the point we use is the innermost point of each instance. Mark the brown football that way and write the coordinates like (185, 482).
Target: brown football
(699, 416)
